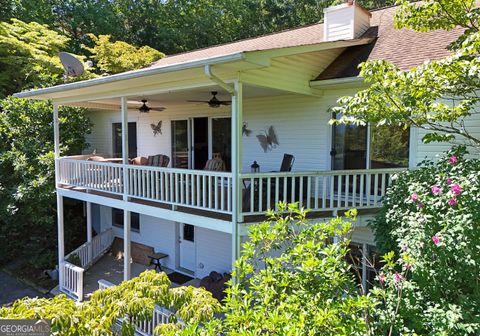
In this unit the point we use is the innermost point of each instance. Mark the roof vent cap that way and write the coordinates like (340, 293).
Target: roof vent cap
(345, 22)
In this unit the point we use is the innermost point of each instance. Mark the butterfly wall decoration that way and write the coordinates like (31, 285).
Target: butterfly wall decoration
(268, 140)
(245, 130)
(157, 129)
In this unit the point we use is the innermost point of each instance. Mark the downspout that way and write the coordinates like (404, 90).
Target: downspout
(237, 111)
(221, 83)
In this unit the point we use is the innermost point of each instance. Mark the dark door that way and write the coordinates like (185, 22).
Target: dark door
(200, 142)
(180, 144)
(132, 139)
(222, 139)
(349, 147)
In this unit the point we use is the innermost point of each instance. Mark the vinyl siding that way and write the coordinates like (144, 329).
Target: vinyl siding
(214, 252)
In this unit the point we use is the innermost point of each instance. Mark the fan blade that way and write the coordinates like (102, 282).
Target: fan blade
(159, 109)
(198, 101)
(226, 103)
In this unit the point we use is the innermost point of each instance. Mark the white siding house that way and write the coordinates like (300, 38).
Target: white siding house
(277, 86)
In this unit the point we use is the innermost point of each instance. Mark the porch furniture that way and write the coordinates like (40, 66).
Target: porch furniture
(155, 260)
(97, 158)
(158, 160)
(215, 284)
(114, 160)
(286, 166)
(215, 164)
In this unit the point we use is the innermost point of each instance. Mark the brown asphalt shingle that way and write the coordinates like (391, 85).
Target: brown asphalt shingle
(406, 48)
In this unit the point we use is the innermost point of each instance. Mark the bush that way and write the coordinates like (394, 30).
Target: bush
(293, 279)
(431, 219)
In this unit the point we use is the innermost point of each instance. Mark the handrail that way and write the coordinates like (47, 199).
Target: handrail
(321, 172)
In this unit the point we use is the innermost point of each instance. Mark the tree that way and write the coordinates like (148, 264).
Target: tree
(431, 219)
(135, 298)
(27, 189)
(293, 279)
(115, 57)
(439, 96)
(29, 56)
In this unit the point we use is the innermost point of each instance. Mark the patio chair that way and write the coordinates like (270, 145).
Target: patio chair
(97, 158)
(158, 160)
(286, 166)
(215, 164)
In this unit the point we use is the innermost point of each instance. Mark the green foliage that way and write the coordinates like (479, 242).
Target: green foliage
(439, 95)
(28, 56)
(431, 218)
(115, 57)
(133, 298)
(27, 198)
(293, 280)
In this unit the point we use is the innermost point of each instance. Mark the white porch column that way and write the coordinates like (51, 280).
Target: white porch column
(60, 219)
(126, 214)
(89, 231)
(237, 164)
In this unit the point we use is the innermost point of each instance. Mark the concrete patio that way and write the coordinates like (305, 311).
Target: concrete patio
(110, 268)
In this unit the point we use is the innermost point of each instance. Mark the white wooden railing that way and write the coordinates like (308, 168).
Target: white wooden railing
(199, 189)
(99, 176)
(71, 281)
(208, 190)
(318, 191)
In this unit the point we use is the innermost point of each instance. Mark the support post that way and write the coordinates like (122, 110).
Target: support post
(89, 232)
(60, 219)
(126, 214)
(237, 122)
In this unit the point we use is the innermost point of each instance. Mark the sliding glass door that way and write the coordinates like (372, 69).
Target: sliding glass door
(196, 140)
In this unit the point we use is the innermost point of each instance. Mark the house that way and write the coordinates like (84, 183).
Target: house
(236, 105)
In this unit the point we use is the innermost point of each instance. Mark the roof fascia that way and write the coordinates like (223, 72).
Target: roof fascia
(37, 93)
(338, 83)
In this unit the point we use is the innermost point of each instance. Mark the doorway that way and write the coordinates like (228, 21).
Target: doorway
(195, 140)
(187, 250)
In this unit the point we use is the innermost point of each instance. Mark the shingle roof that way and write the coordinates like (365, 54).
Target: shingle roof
(294, 37)
(404, 47)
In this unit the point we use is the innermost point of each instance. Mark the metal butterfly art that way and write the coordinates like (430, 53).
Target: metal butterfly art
(268, 140)
(245, 130)
(157, 129)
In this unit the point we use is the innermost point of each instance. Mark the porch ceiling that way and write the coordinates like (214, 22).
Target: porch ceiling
(179, 97)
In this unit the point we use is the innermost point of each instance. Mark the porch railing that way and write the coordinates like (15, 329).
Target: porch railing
(160, 315)
(72, 281)
(317, 191)
(212, 191)
(198, 189)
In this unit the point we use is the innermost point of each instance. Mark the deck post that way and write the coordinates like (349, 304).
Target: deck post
(60, 219)
(237, 123)
(126, 214)
(89, 231)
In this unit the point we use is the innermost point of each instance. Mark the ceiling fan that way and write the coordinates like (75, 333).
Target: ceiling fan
(213, 102)
(144, 108)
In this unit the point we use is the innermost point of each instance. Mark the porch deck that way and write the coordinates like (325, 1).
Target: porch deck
(110, 268)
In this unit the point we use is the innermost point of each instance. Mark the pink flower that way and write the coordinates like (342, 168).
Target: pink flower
(452, 202)
(449, 181)
(436, 190)
(381, 278)
(398, 277)
(456, 189)
(436, 240)
(453, 159)
(414, 197)
(420, 205)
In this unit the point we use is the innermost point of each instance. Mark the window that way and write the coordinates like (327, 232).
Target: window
(364, 269)
(117, 139)
(188, 232)
(361, 147)
(117, 219)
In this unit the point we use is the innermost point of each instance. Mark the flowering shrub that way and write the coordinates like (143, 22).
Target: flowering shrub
(431, 219)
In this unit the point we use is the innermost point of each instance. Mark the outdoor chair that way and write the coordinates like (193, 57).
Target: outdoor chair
(215, 164)
(285, 166)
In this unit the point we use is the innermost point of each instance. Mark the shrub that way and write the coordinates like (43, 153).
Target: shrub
(431, 219)
(293, 279)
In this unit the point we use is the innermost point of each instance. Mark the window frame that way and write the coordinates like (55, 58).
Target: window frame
(134, 220)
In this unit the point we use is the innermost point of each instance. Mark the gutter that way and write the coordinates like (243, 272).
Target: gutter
(132, 74)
